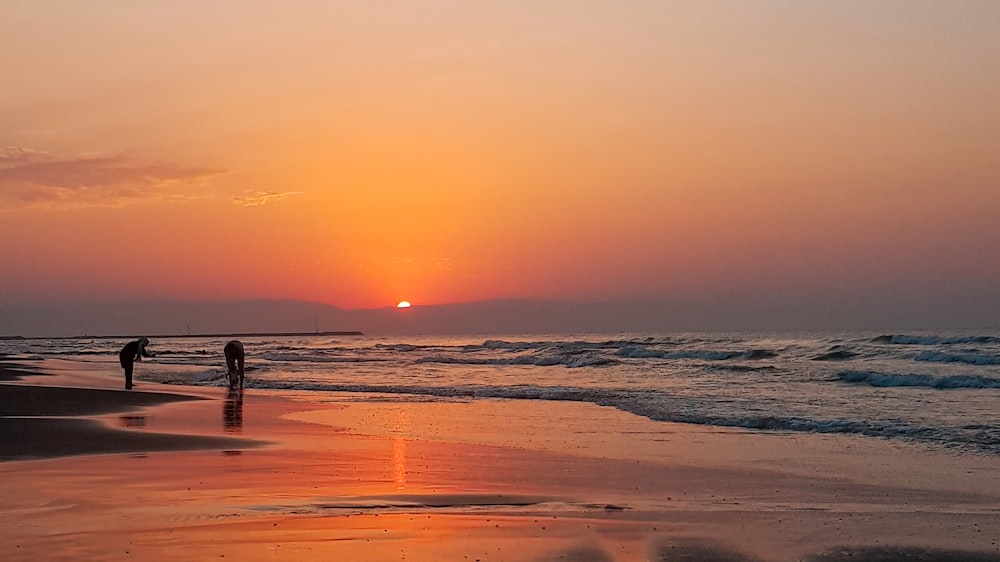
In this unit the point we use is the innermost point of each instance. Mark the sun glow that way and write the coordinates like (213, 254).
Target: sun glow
(403, 304)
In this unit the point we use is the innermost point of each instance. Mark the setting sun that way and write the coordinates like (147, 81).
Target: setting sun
(403, 304)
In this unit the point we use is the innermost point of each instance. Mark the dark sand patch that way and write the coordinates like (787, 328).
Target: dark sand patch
(25, 400)
(700, 550)
(15, 374)
(36, 438)
(42, 422)
(709, 551)
(892, 554)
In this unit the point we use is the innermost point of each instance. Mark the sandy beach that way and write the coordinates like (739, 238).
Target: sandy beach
(91, 472)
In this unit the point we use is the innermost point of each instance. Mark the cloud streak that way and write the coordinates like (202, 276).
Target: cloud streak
(257, 198)
(33, 178)
(14, 155)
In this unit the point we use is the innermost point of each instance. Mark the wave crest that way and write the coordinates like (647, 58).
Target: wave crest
(571, 361)
(902, 339)
(640, 352)
(883, 380)
(836, 355)
(971, 358)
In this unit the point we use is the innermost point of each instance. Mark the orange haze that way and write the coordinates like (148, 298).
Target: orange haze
(357, 154)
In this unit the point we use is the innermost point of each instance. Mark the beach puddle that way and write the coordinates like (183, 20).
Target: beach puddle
(132, 421)
(424, 502)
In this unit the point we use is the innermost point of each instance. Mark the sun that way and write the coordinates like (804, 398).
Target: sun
(403, 304)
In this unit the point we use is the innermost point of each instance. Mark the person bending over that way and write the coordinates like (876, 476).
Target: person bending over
(234, 362)
(132, 352)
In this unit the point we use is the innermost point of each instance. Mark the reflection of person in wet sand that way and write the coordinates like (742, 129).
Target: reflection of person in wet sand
(232, 411)
(132, 352)
(234, 362)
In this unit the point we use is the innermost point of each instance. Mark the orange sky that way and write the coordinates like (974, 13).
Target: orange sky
(360, 153)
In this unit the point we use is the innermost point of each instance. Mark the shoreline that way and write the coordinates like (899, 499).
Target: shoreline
(365, 478)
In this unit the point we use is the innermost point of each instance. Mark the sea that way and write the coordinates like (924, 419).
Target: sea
(940, 390)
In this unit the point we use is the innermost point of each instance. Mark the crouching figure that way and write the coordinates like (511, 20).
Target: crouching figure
(234, 363)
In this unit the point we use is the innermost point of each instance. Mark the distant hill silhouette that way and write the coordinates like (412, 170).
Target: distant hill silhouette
(487, 317)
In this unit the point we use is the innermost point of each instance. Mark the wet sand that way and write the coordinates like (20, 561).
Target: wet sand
(184, 473)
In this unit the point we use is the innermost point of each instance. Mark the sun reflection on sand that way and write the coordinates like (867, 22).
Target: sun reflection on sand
(399, 463)
(400, 424)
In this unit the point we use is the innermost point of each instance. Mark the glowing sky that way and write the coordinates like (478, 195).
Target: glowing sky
(362, 153)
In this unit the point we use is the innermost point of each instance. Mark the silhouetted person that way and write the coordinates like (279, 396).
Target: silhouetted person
(234, 362)
(132, 352)
(232, 411)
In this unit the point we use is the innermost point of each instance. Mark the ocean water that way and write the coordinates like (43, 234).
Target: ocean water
(939, 390)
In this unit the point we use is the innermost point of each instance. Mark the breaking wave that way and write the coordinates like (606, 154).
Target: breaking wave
(900, 339)
(541, 360)
(638, 352)
(872, 378)
(836, 355)
(971, 358)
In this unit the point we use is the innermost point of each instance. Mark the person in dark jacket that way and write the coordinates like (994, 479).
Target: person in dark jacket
(234, 362)
(132, 352)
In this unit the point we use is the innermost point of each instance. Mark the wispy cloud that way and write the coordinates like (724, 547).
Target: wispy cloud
(34, 178)
(255, 198)
(14, 155)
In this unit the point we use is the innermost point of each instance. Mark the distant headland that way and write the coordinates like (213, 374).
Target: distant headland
(165, 336)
